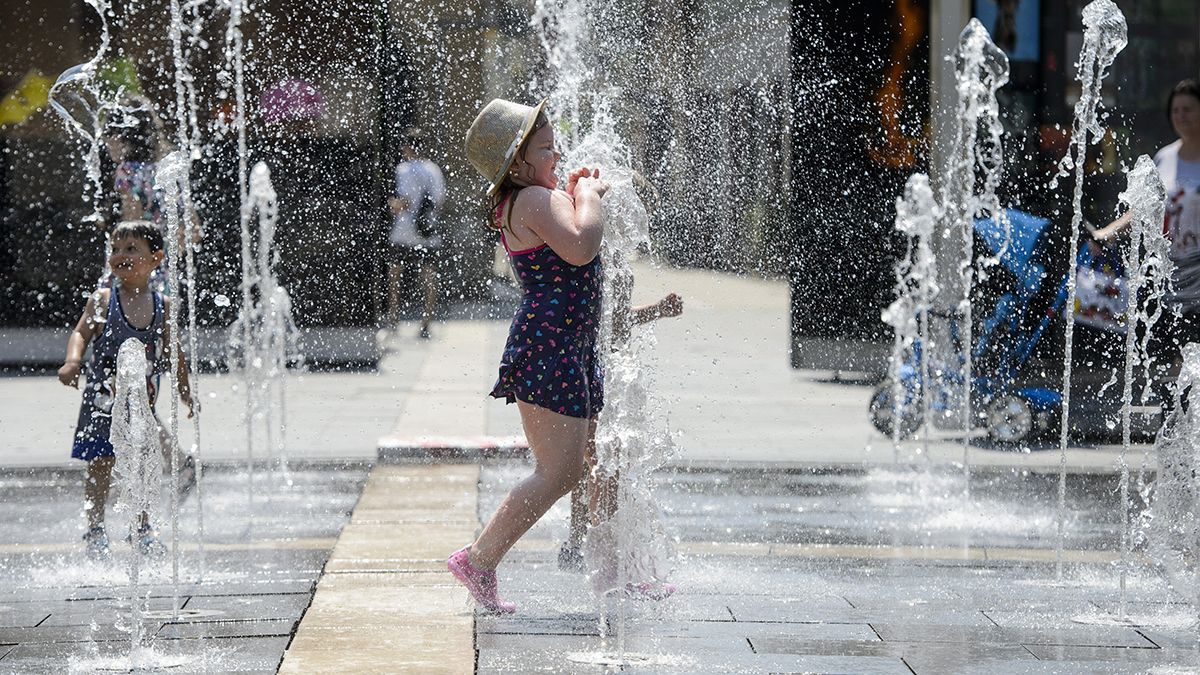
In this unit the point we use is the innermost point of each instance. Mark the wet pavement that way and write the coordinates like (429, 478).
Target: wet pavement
(239, 597)
(859, 572)
(869, 571)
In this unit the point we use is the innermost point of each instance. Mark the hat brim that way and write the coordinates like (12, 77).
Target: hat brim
(526, 128)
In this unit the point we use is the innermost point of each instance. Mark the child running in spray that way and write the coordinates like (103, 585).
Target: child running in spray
(131, 308)
(549, 367)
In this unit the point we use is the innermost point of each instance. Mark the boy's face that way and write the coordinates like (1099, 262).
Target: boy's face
(132, 261)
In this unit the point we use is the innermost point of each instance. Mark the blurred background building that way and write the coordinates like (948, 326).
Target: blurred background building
(777, 134)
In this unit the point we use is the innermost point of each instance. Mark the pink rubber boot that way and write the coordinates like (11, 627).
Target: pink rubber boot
(479, 582)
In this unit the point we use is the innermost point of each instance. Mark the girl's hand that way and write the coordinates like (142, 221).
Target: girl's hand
(68, 374)
(592, 184)
(672, 305)
(582, 172)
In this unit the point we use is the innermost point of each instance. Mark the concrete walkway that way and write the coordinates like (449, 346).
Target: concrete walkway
(385, 602)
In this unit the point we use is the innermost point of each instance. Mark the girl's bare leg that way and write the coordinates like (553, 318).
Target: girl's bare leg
(602, 492)
(558, 443)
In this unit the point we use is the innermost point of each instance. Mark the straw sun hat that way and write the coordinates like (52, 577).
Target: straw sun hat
(498, 130)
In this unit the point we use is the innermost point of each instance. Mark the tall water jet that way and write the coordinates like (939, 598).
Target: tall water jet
(138, 469)
(169, 178)
(78, 101)
(187, 138)
(273, 341)
(981, 69)
(1104, 36)
(917, 214)
(76, 88)
(630, 548)
(1149, 272)
(235, 60)
(1171, 524)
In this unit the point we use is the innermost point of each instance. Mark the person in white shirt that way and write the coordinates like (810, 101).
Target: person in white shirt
(417, 238)
(1179, 166)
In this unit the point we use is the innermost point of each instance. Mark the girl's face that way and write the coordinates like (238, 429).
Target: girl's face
(1185, 116)
(540, 160)
(132, 261)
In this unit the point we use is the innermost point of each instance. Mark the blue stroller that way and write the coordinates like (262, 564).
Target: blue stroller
(1012, 407)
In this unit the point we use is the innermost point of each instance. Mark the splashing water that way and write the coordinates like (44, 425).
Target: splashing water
(1104, 36)
(272, 340)
(631, 547)
(187, 130)
(1171, 524)
(981, 69)
(138, 470)
(917, 213)
(170, 178)
(78, 101)
(1146, 198)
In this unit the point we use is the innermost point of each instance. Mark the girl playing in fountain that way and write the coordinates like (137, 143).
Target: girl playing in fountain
(133, 310)
(549, 366)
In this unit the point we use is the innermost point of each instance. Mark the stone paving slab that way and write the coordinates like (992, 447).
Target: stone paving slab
(912, 603)
(386, 602)
(241, 655)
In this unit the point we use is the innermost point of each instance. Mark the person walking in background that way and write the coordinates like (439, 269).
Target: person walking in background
(417, 239)
(549, 367)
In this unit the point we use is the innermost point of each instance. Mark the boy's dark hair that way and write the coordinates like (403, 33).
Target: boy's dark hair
(142, 229)
(1188, 87)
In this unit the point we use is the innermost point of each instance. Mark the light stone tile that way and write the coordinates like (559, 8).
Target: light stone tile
(400, 605)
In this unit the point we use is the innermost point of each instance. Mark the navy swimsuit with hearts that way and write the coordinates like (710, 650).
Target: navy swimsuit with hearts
(550, 357)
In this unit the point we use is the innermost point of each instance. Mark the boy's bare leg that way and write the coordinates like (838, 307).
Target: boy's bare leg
(95, 489)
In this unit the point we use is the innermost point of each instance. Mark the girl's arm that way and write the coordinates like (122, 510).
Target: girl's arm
(181, 365)
(81, 336)
(572, 228)
(671, 305)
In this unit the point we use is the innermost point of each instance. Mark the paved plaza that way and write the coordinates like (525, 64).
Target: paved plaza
(804, 542)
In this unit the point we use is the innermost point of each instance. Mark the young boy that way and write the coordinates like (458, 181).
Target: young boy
(130, 309)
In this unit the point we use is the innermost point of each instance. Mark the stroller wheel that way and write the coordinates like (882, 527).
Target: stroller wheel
(882, 412)
(1009, 419)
